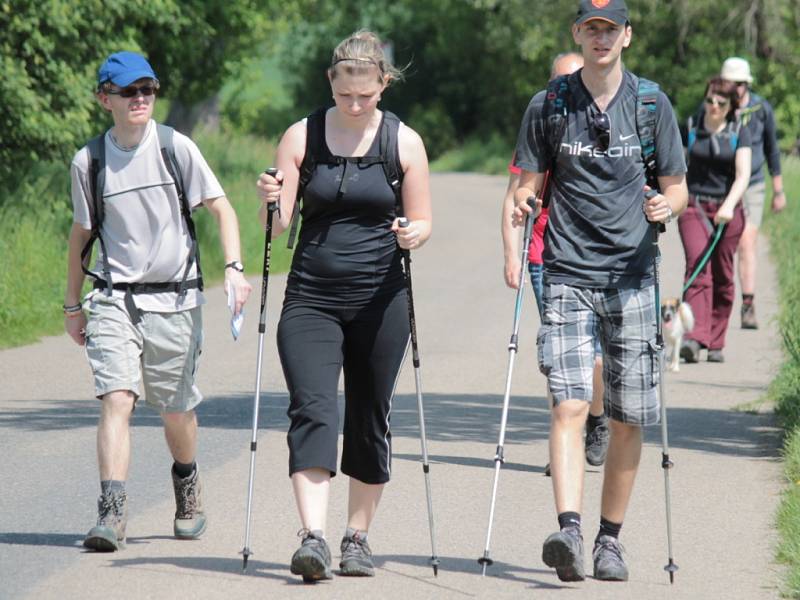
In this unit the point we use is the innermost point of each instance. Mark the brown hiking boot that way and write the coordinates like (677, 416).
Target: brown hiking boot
(190, 520)
(749, 316)
(112, 518)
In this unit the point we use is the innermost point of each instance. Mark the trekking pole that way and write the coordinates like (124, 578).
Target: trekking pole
(512, 352)
(666, 463)
(246, 553)
(403, 222)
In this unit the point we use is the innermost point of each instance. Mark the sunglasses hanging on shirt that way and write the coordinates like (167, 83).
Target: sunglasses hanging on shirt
(601, 125)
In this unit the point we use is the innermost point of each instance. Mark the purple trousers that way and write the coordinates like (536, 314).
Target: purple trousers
(712, 292)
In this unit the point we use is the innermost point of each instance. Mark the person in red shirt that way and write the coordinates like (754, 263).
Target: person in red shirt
(597, 424)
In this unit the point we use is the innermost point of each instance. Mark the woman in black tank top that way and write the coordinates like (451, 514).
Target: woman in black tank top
(346, 306)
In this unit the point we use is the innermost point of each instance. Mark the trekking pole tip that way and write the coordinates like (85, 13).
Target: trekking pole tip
(671, 568)
(245, 555)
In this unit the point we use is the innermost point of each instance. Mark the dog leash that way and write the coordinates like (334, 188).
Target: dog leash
(701, 265)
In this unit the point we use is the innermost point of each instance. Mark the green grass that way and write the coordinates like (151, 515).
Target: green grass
(784, 234)
(33, 239)
(477, 155)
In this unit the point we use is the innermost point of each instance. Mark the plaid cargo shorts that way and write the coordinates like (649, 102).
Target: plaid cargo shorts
(624, 321)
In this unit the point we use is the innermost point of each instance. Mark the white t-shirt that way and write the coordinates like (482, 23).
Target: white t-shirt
(143, 230)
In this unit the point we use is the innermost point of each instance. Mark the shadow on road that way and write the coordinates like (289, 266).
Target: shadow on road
(214, 565)
(449, 417)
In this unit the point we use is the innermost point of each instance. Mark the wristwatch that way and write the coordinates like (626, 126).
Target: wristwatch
(235, 264)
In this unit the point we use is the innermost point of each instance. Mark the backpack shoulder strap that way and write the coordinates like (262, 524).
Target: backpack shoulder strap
(691, 135)
(166, 140)
(97, 181)
(390, 157)
(646, 100)
(315, 145)
(554, 115)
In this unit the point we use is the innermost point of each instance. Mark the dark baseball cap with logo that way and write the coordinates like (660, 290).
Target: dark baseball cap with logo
(613, 11)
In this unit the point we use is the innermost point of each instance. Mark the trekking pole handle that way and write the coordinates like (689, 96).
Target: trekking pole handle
(659, 227)
(531, 201)
(273, 206)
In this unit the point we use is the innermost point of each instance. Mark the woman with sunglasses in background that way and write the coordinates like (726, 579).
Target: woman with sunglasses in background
(719, 154)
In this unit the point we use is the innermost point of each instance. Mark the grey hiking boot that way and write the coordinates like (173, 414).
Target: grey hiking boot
(608, 562)
(749, 316)
(356, 555)
(564, 551)
(313, 559)
(190, 520)
(597, 443)
(112, 518)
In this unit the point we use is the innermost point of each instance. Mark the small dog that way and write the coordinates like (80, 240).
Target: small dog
(677, 319)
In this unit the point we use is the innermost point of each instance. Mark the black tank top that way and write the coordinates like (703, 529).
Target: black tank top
(346, 251)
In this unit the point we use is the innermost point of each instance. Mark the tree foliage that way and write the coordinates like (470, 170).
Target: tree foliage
(50, 51)
(474, 64)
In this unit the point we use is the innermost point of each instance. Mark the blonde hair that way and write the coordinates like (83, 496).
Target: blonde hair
(361, 51)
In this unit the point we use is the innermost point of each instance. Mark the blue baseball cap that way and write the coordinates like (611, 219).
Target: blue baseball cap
(123, 68)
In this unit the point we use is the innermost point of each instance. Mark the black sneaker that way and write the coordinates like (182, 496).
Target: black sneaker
(356, 555)
(597, 443)
(112, 518)
(749, 316)
(564, 551)
(313, 559)
(608, 562)
(690, 351)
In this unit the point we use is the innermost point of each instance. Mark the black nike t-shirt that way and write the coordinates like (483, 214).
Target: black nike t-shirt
(597, 235)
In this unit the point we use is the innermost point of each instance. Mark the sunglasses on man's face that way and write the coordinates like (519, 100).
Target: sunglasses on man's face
(133, 91)
(721, 102)
(602, 130)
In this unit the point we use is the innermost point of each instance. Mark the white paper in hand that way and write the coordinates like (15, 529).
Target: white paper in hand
(236, 320)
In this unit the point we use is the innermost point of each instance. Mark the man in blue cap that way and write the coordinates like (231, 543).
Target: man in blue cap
(598, 276)
(134, 189)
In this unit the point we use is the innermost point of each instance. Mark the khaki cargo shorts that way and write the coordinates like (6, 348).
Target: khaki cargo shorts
(160, 354)
(753, 202)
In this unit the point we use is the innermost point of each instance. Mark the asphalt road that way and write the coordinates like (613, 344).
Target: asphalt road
(725, 485)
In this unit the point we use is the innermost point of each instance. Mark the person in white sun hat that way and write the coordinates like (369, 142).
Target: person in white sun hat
(757, 115)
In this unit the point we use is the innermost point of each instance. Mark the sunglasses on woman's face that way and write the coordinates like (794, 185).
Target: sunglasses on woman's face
(602, 130)
(721, 102)
(133, 91)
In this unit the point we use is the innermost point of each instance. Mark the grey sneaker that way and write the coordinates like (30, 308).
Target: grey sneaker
(190, 520)
(356, 555)
(715, 356)
(112, 518)
(313, 559)
(608, 562)
(597, 443)
(690, 351)
(564, 551)
(749, 316)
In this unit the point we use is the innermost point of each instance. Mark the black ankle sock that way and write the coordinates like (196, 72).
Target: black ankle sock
(112, 486)
(569, 519)
(609, 528)
(184, 470)
(747, 298)
(593, 421)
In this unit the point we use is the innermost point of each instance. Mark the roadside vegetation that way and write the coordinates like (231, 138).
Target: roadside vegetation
(784, 234)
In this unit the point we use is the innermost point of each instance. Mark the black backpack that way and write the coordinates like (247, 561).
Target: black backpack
(317, 153)
(97, 177)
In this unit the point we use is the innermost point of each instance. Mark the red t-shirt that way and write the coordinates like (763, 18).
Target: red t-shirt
(537, 239)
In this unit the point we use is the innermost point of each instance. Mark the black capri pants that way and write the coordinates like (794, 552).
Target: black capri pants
(315, 343)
